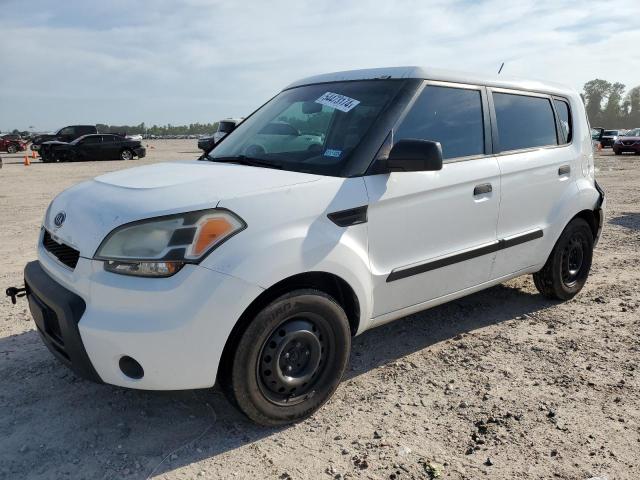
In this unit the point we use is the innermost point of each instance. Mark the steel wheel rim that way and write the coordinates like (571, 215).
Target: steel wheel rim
(293, 359)
(573, 260)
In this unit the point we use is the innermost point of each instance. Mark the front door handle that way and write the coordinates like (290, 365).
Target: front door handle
(564, 170)
(482, 189)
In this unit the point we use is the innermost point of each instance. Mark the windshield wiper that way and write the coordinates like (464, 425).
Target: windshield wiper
(244, 160)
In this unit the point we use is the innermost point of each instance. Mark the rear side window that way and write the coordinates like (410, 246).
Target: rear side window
(564, 115)
(451, 116)
(524, 122)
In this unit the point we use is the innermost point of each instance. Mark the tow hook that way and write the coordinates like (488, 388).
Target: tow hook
(15, 292)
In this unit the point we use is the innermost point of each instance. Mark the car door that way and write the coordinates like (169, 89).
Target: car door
(434, 233)
(90, 147)
(538, 161)
(111, 145)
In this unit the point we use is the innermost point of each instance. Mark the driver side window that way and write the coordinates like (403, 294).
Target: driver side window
(451, 116)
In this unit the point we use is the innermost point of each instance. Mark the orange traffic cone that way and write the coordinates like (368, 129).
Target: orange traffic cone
(34, 154)
(26, 160)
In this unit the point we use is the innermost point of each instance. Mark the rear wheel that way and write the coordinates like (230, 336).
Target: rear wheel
(290, 359)
(126, 154)
(568, 266)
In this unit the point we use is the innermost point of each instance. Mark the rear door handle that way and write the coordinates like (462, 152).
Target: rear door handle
(564, 170)
(482, 189)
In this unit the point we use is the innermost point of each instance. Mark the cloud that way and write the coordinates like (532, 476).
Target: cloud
(116, 61)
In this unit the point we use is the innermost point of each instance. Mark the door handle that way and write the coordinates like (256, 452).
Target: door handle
(482, 188)
(564, 170)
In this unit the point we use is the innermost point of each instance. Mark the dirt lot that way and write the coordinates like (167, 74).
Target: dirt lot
(502, 384)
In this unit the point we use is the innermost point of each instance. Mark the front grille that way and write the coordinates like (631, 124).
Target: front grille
(66, 254)
(628, 142)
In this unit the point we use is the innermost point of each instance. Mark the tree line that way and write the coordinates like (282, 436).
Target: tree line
(191, 129)
(606, 103)
(608, 106)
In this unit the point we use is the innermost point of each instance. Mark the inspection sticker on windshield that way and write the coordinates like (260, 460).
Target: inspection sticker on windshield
(337, 101)
(332, 153)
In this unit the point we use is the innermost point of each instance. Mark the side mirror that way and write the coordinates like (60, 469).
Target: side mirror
(415, 156)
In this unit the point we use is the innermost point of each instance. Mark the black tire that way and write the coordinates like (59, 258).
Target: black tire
(126, 154)
(12, 149)
(568, 265)
(305, 333)
(617, 152)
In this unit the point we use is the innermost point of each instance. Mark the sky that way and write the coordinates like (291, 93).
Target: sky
(180, 62)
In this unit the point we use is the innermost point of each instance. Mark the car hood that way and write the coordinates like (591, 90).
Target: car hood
(94, 208)
(632, 139)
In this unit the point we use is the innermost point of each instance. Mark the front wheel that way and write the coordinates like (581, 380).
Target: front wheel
(290, 359)
(12, 149)
(126, 154)
(568, 265)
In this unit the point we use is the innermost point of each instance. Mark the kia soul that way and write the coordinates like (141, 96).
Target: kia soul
(348, 200)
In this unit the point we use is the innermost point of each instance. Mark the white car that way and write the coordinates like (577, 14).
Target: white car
(255, 268)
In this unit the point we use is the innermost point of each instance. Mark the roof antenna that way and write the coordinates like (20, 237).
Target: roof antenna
(500, 70)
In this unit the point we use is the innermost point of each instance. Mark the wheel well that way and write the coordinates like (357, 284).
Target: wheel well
(592, 218)
(328, 283)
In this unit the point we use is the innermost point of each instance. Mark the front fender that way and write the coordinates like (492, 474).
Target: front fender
(289, 233)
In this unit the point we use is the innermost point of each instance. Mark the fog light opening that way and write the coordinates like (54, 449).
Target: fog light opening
(131, 368)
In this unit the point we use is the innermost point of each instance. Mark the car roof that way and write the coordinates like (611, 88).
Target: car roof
(437, 75)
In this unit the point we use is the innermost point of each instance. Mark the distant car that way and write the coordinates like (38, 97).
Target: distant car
(12, 143)
(92, 147)
(65, 134)
(628, 143)
(225, 127)
(609, 137)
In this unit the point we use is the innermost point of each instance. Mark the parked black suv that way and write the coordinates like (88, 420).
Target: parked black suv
(65, 134)
(609, 137)
(92, 147)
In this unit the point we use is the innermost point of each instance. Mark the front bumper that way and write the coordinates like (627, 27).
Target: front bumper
(174, 327)
(621, 148)
(57, 312)
(141, 152)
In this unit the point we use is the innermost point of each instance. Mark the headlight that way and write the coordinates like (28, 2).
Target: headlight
(160, 247)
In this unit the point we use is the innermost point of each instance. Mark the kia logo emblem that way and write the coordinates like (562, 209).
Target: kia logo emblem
(59, 219)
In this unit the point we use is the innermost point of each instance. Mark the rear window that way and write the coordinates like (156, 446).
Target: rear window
(611, 133)
(524, 121)
(226, 127)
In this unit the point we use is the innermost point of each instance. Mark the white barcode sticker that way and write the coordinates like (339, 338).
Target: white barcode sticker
(337, 101)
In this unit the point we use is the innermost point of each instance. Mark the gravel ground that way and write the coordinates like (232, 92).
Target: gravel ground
(501, 384)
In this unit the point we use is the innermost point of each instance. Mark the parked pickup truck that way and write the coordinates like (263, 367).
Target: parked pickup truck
(65, 134)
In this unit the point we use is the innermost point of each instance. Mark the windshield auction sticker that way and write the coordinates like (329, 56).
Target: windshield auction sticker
(337, 101)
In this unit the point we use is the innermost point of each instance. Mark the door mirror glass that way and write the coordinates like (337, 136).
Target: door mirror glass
(412, 155)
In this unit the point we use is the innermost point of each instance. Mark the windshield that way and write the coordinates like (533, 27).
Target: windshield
(632, 133)
(611, 133)
(313, 128)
